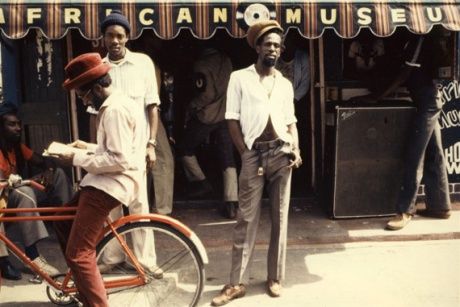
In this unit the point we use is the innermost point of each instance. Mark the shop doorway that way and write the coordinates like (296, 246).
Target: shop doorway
(176, 56)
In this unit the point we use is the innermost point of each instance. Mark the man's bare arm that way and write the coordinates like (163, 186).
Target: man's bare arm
(296, 160)
(152, 111)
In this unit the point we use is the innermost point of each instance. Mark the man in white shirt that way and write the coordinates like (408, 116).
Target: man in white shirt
(262, 124)
(113, 171)
(134, 74)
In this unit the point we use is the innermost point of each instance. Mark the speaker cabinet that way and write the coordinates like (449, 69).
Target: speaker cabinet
(364, 159)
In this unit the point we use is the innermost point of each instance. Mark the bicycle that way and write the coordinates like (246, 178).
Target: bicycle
(180, 254)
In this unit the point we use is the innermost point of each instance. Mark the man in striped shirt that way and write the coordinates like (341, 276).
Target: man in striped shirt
(134, 74)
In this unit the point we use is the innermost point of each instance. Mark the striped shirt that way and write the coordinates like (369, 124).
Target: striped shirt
(135, 76)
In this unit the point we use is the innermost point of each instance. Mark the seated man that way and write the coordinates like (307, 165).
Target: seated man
(14, 156)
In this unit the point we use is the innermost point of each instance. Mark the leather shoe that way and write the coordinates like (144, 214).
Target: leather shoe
(274, 288)
(229, 293)
(8, 271)
(399, 221)
(438, 214)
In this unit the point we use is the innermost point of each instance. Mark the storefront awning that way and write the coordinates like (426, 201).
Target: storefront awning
(168, 17)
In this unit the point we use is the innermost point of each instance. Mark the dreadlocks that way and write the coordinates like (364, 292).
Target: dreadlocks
(7, 145)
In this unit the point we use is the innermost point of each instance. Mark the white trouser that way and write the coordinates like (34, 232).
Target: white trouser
(143, 242)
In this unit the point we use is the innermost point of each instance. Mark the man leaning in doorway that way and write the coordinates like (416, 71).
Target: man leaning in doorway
(424, 156)
(262, 124)
(424, 153)
(134, 74)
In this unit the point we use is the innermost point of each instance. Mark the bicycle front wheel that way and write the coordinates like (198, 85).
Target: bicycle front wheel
(172, 252)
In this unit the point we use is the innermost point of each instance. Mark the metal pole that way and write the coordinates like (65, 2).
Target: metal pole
(73, 105)
(322, 96)
(312, 129)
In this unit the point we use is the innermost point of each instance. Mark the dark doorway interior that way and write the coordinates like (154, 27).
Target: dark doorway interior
(177, 57)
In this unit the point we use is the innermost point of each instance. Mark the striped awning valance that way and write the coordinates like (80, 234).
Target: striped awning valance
(167, 17)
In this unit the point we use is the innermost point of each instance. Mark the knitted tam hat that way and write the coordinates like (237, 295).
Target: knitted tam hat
(115, 18)
(7, 107)
(260, 28)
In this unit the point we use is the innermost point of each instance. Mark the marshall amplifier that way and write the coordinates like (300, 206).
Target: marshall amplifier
(364, 159)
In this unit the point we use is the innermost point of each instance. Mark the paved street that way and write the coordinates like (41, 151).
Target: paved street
(330, 262)
(397, 274)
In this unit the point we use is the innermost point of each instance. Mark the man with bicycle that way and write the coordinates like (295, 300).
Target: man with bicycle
(15, 159)
(112, 164)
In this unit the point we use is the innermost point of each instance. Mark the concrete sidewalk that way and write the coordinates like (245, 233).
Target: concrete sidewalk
(309, 224)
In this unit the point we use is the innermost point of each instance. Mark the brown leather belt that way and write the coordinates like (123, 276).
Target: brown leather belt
(268, 144)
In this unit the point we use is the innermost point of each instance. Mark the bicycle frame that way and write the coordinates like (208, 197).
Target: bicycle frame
(111, 227)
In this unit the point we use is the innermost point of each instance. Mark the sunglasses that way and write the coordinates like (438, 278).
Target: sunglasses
(83, 97)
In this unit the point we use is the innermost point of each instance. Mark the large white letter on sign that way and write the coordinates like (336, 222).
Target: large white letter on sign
(33, 13)
(364, 17)
(72, 15)
(184, 15)
(293, 16)
(397, 16)
(220, 15)
(332, 19)
(143, 20)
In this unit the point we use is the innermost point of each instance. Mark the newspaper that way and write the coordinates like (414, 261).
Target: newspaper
(57, 148)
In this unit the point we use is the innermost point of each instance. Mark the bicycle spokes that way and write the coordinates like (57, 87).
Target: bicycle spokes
(175, 256)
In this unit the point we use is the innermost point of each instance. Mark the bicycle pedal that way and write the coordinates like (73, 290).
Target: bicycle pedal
(76, 301)
(36, 280)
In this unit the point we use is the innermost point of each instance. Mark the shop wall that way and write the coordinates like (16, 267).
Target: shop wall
(32, 77)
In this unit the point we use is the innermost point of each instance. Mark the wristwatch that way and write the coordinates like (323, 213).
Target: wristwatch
(152, 142)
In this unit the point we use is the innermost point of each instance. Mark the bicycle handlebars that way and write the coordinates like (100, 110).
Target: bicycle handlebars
(19, 183)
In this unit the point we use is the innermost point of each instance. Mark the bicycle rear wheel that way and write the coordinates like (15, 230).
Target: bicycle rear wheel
(183, 269)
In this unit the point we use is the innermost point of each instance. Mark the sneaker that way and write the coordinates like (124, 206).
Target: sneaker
(45, 266)
(399, 221)
(156, 272)
(229, 293)
(438, 214)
